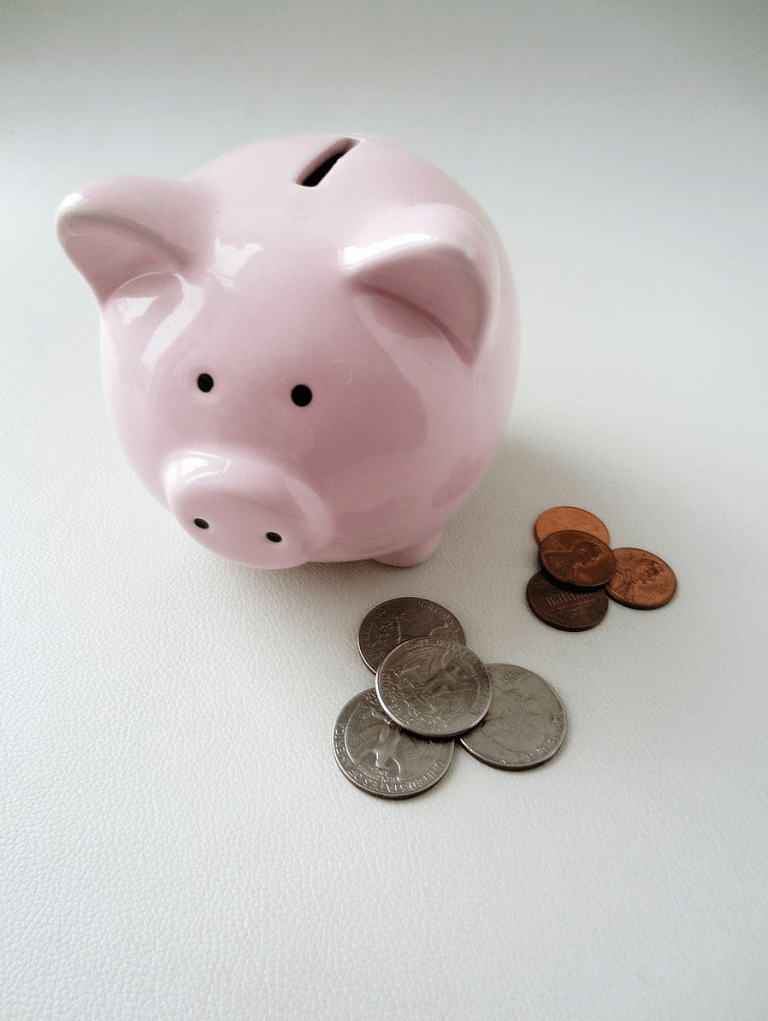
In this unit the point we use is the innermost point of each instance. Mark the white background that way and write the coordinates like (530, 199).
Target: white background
(176, 840)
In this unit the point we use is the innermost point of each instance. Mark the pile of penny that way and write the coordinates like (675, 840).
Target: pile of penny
(398, 738)
(579, 571)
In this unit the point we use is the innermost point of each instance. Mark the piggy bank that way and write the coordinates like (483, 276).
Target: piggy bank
(309, 346)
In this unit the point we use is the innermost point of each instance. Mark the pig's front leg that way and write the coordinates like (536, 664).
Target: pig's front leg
(409, 556)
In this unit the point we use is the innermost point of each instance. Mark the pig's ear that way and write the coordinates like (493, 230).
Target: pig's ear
(436, 258)
(122, 227)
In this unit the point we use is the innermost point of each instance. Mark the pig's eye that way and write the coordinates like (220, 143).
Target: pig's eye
(205, 382)
(301, 395)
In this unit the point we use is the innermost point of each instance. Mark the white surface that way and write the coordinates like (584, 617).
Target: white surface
(176, 840)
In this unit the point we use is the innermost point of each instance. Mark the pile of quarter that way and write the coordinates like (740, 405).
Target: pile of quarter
(398, 738)
(579, 571)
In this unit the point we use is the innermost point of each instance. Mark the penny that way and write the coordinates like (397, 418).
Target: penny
(577, 558)
(564, 607)
(398, 620)
(434, 687)
(556, 519)
(642, 580)
(524, 725)
(382, 759)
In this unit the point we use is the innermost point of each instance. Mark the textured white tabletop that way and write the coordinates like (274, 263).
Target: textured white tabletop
(176, 840)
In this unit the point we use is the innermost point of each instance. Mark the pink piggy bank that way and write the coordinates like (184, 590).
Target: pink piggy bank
(309, 346)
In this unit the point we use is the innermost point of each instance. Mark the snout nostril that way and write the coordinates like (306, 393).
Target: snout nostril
(274, 537)
(201, 523)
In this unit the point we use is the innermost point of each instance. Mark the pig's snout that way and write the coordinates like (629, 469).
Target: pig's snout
(248, 510)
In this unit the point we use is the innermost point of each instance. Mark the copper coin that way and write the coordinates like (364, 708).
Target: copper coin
(642, 580)
(577, 558)
(556, 519)
(565, 607)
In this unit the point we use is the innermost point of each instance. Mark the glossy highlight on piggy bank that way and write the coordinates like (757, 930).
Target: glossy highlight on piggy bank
(309, 346)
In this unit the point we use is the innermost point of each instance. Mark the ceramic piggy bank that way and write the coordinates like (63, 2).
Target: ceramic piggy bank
(309, 346)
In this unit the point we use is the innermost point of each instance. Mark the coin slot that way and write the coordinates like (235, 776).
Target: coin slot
(320, 167)
(274, 537)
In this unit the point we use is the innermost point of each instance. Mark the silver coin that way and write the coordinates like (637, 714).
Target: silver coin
(434, 687)
(398, 620)
(380, 758)
(525, 724)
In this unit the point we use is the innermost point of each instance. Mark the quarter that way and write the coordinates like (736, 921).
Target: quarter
(434, 687)
(525, 723)
(398, 620)
(382, 759)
